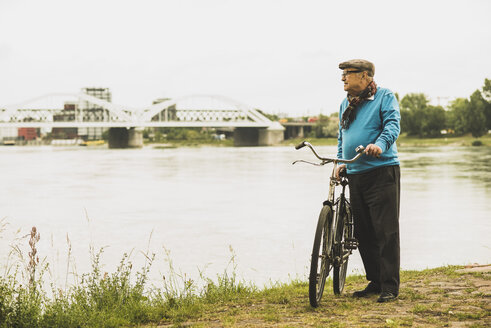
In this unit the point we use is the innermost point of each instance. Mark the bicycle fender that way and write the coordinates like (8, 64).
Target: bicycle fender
(328, 203)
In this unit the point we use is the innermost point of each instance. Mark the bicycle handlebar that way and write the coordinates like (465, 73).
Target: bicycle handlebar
(300, 145)
(360, 150)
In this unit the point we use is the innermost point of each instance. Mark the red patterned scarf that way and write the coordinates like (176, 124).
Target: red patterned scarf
(349, 114)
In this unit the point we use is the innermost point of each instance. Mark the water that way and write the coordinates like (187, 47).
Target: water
(199, 202)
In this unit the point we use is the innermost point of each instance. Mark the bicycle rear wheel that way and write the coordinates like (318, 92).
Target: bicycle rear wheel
(320, 264)
(340, 251)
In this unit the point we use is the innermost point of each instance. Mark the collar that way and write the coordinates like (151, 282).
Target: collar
(371, 98)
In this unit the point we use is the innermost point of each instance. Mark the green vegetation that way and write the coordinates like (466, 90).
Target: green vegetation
(464, 116)
(450, 140)
(434, 298)
(407, 141)
(102, 299)
(325, 127)
(420, 119)
(189, 137)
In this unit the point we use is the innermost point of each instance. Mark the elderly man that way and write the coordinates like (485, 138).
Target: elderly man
(370, 116)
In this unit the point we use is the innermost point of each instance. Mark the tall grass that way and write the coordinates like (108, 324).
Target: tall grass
(102, 299)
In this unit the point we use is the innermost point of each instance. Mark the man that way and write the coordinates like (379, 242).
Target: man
(370, 116)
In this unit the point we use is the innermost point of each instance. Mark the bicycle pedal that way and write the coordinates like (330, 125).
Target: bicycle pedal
(351, 243)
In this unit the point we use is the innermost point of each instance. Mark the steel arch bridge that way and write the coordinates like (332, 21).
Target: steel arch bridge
(188, 111)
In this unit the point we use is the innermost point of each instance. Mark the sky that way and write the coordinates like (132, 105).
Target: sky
(280, 56)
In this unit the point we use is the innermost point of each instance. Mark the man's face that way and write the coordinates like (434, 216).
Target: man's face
(354, 81)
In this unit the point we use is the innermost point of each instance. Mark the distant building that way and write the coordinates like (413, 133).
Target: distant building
(8, 133)
(27, 133)
(88, 112)
(66, 115)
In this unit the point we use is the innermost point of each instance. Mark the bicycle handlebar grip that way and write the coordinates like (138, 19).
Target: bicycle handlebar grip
(300, 145)
(360, 149)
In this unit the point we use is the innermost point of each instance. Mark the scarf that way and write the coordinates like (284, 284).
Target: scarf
(349, 114)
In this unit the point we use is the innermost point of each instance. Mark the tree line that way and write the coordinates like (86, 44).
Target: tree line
(463, 115)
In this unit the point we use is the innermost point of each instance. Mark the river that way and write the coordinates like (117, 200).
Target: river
(208, 205)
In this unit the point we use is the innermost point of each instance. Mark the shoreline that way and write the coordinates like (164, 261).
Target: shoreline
(402, 142)
(439, 297)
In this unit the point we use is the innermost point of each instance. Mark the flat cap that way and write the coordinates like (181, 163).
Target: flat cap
(360, 64)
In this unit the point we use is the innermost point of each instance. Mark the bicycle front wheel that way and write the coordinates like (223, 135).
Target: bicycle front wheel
(320, 264)
(341, 253)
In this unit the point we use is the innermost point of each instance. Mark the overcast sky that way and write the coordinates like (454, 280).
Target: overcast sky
(279, 56)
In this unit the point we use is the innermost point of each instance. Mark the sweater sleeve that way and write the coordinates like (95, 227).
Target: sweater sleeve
(391, 118)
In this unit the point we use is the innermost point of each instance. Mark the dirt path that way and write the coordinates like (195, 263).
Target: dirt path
(444, 297)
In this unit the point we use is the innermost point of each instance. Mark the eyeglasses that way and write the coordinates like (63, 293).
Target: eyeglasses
(345, 73)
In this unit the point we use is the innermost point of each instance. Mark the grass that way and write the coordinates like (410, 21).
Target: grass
(434, 298)
(191, 143)
(467, 140)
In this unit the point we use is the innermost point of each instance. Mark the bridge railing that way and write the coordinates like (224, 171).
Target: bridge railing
(103, 113)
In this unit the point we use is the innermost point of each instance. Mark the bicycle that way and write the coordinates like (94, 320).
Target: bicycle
(334, 232)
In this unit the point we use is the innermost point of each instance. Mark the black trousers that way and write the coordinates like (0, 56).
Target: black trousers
(375, 198)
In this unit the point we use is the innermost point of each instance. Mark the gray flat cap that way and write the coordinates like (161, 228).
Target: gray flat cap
(360, 64)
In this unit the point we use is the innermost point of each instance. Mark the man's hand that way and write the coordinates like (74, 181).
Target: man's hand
(373, 150)
(340, 168)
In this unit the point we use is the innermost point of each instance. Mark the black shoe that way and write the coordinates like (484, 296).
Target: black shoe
(387, 297)
(371, 289)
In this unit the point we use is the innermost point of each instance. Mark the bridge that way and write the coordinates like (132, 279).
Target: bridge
(125, 123)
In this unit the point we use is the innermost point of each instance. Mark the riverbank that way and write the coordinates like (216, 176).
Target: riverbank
(402, 141)
(405, 141)
(452, 296)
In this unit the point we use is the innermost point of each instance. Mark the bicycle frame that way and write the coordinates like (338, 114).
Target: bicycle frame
(341, 209)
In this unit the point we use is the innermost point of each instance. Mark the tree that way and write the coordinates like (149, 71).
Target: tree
(433, 121)
(326, 126)
(413, 106)
(397, 97)
(457, 116)
(414, 101)
(486, 94)
(477, 117)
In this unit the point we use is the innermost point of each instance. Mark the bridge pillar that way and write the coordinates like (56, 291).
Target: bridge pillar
(273, 135)
(125, 138)
(135, 138)
(244, 137)
(270, 136)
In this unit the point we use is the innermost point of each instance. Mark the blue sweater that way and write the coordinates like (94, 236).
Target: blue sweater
(377, 121)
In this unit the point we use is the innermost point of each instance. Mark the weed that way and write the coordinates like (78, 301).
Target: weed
(410, 294)
(419, 309)
(473, 316)
(270, 314)
(33, 258)
(122, 298)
